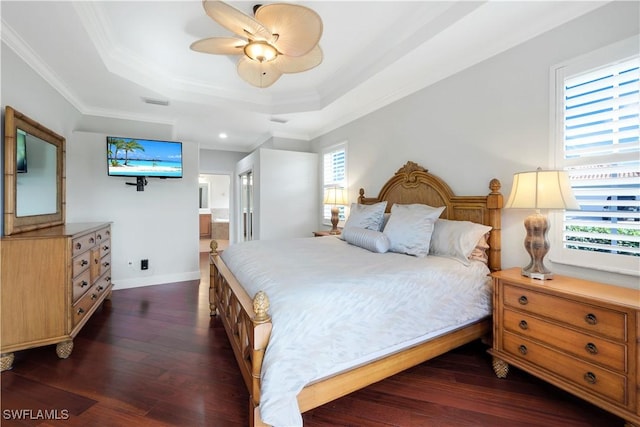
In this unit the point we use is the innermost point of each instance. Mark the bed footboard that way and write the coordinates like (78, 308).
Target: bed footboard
(246, 321)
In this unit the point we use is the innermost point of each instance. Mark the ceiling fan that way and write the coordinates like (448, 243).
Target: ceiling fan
(283, 38)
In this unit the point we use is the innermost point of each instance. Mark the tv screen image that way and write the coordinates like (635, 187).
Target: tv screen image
(21, 151)
(135, 157)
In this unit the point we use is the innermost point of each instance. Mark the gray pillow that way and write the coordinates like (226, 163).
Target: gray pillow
(366, 216)
(371, 240)
(410, 227)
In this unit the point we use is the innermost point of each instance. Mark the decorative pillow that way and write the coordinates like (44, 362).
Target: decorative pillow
(456, 239)
(371, 240)
(409, 228)
(479, 253)
(366, 216)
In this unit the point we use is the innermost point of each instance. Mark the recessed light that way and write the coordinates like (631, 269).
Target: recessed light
(222, 135)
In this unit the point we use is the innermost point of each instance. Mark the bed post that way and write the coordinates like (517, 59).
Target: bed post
(213, 276)
(494, 205)
(261, 334)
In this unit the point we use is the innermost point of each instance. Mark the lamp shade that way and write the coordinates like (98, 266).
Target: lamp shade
(542, 189)
(335, 196)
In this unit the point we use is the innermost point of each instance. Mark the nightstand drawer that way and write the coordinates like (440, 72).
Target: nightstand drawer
(600, 320)
(588, 347)
(589, 377)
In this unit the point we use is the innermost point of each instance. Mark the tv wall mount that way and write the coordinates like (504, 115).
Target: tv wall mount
(140, 183)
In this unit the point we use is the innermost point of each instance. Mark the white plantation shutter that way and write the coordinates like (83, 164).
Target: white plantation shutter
(334, 175)
(601, 153)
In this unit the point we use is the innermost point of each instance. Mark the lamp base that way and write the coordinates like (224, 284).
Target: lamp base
(537, 246)
(536, 275)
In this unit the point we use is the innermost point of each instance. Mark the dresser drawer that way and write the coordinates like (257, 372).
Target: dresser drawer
(588, 347)
(103, 234)
(103, 282)
(80, 284)
(587, 376)
(594, 319)
(81, 263)
(105, 247)
(105, 264)
(83, 305)
(83, 243)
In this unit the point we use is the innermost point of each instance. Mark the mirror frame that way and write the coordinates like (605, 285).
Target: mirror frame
(13, 224)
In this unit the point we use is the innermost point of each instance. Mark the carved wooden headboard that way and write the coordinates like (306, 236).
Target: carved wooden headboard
(414, 184)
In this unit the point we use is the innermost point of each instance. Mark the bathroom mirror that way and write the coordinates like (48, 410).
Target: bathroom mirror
(34, 175)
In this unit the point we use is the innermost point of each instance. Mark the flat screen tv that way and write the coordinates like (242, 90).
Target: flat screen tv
(135, 157)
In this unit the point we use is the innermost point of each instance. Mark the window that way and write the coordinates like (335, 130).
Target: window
(334, 162)
(598, 143)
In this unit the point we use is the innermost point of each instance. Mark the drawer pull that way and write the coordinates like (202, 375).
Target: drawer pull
(591, 348)
(105, 248)
(84, 283)
(105, 264)
(94, 297)
(80, 311)
(84, 262)
(523, 325)
(92, 240)
(96, 261)
(523, 300)
(523, 350)
(100, 288)
(591, 319)
(78, 245)
(590, 377)
(99, 236)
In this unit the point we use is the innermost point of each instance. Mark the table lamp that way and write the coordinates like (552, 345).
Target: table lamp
(335, 196)
(540, 189)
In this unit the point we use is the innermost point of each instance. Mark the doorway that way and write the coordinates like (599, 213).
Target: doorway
(214, 206)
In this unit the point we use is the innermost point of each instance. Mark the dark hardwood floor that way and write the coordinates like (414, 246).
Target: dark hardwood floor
(152, 356)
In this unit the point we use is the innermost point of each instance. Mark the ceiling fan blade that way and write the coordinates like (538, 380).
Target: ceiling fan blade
(219, 46)
(298, 28)
(297, 64)
(260, 74)
(235, 21)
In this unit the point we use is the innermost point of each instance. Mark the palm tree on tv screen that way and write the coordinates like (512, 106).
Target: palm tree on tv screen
(129, 146)
(117, 144)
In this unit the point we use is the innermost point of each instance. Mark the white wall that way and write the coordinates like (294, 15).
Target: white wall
(285, 184)
(159, 224)
(490, 120)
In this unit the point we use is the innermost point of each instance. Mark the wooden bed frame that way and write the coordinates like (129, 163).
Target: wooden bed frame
(248, 323)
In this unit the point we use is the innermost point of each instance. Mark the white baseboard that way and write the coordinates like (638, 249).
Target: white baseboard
(154, 280)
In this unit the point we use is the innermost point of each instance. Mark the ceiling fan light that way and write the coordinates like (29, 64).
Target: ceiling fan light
(260, 51)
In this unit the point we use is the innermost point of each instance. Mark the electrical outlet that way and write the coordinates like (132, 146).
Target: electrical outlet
(144, 264)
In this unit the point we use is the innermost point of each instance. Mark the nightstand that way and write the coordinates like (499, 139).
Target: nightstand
(578, 335)
(324, 233)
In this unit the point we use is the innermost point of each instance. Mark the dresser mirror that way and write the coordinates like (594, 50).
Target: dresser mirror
(34, 183)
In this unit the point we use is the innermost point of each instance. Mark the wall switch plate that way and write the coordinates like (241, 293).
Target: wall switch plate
(144, 264)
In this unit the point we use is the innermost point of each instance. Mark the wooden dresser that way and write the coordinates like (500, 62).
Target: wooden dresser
(52, 280)
(581, 336)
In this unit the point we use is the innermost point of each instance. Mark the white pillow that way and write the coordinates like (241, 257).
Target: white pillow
(456, 239)
(366, 216)
(374, 241)
(409, 228)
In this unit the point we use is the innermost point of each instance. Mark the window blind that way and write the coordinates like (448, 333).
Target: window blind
(602, 158)
(334, 174)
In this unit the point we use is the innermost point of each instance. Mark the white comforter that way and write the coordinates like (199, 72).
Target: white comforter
(334, 304)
